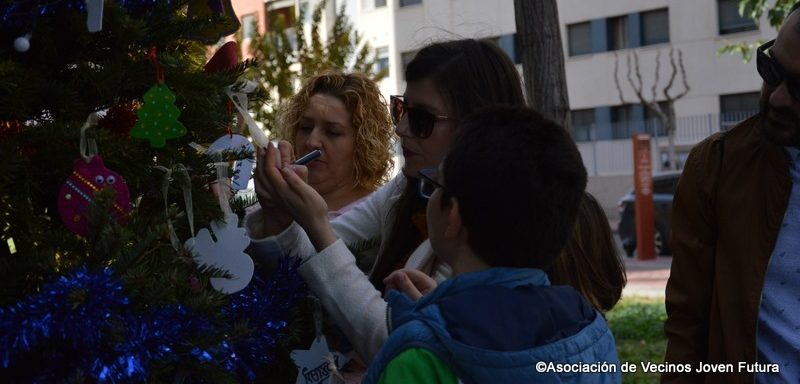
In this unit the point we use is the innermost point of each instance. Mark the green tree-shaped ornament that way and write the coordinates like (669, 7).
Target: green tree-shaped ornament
(158, 117)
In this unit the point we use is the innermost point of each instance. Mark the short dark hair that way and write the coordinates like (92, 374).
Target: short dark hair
(518, 179)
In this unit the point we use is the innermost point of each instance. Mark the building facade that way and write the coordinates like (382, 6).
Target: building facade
(598, 37)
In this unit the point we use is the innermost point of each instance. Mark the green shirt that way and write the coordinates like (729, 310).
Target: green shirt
(417, 365)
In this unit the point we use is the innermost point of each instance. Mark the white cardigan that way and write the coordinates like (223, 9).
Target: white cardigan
(344, 291)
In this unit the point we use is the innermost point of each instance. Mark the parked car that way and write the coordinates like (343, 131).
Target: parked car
(664, 185)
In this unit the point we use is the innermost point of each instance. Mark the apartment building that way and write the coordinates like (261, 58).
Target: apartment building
(597, 36)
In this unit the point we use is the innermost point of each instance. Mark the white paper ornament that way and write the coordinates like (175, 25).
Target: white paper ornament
(316, 364)
(94, 15)
(227, 253)
(243, 169)
(23, 43)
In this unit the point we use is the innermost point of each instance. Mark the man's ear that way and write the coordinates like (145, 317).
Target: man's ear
(454, 226)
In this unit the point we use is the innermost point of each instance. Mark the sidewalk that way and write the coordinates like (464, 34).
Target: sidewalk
(647, 278)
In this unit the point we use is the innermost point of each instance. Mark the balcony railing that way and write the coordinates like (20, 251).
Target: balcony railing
(688, 128)
(615, 156)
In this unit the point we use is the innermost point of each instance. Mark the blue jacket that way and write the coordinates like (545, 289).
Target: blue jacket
(495, 325)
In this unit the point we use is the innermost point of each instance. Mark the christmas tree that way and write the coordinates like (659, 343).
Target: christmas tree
(96, 284)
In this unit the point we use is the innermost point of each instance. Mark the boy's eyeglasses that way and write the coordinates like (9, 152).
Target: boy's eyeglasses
(427, 182)
(420, 121)
(773, 72)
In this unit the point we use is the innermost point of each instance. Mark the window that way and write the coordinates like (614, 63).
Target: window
(582, 121)
(285, 16)
(621, 121)
(652, 123)
(655, 27)
(406, 58)
(729, 19)
(371, 5)
(249, 26)
(383, 59)
(621, 113)
(284, 19)
(649, 114)
(406, 3)
(580, 38)
(508, 43)
(737, 107)
(617, 32)
(304, 13)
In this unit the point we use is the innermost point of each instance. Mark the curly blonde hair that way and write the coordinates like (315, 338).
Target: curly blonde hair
(370, 118)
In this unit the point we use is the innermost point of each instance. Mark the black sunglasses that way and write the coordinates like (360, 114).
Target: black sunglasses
(427, 182)
(773, 72)
(420, 121)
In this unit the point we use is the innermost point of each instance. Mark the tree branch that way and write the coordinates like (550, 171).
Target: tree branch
(674, 73)
(638, 74)
(616, 78)
(683, 76)
(658, 69)
(637, 89)
(675, 69)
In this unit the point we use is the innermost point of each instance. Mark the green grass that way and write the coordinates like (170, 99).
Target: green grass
(638, 326)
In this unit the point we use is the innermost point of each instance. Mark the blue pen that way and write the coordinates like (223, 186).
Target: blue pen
(309, 157)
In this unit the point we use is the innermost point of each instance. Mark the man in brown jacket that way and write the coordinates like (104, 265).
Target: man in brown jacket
(733, 296)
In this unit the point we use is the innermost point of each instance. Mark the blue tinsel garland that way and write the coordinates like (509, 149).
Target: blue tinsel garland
(265, 304)
(77, 313)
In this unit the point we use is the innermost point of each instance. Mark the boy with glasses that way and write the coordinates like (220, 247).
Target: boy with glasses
(500, 209)
(733, 293)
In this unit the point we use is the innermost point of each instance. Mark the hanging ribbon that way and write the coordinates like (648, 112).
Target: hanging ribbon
(88, 146)
(153, 56)
(182, 177)
(238, 96)
(224, 190)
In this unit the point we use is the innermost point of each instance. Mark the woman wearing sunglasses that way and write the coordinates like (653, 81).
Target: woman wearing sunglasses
(445, 81)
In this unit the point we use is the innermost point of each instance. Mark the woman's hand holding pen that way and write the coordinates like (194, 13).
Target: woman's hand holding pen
(282, 186)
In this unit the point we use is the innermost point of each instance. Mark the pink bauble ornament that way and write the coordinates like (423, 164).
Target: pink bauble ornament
(78, 192)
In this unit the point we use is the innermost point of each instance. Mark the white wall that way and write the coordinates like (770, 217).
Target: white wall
(693, 29)
(436, 20)
(376, 27)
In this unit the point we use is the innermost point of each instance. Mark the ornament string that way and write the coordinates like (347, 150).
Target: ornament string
(182, 178)
(152, 55)
(224, 190)
(88, 146)
(238, 96)
(229, 109)
(317, 309)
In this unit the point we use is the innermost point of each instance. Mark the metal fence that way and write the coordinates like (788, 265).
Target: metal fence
(615, 157)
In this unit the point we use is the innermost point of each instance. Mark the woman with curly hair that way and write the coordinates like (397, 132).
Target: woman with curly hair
(345, 117)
